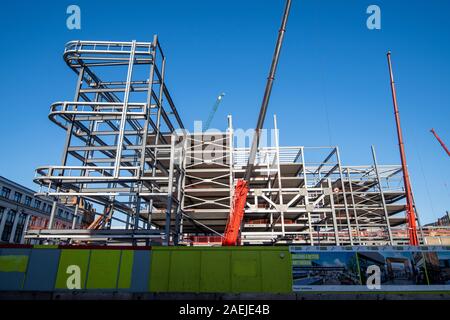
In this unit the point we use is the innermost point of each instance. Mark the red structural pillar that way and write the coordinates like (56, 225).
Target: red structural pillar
(410, 212)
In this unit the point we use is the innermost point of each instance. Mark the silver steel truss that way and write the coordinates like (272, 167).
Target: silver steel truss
(125, 151)
(119, 150)
(301, 195)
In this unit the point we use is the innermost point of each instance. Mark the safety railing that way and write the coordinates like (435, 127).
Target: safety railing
(111, 47)
(83, 172)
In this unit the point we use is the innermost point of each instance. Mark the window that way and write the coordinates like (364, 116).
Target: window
(60, 212)
(37, 203)
(19, 228)
(27, 201)
(10, 216)
(49, 208)
(44, 207)
(5, 192)
(17, 196)
(2, 210)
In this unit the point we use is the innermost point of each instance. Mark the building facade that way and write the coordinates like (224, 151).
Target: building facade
(21, 210)
(443, 221)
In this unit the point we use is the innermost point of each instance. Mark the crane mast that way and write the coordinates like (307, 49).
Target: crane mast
(410, 211)
(242, 186)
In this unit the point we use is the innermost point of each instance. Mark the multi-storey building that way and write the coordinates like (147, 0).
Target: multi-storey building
(21, 210)
(442, 221)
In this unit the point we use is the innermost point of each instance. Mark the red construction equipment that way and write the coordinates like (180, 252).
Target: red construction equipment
(102, 219)
(231, 233)
(440, 141)
(410, 212)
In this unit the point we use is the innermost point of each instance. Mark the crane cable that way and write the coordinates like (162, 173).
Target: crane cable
(426, 185)
(323, 82)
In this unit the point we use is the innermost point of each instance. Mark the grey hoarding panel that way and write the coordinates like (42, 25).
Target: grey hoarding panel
(42, 268)
(141, 271)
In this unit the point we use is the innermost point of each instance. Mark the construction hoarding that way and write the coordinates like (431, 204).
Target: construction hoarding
(244, 269)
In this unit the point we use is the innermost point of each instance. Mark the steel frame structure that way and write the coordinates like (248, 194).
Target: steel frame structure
(301, 195)
(119, 150)
(126, 151)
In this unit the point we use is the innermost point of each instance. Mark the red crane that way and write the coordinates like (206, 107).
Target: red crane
(440, 141)
(231, 234)
(410, 211)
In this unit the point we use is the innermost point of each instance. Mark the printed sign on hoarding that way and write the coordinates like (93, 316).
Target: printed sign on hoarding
(352, 268)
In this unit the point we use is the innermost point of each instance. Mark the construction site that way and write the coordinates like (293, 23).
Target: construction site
(127, 150)
(154, 184)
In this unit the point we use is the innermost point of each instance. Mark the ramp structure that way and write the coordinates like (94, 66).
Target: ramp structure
(118, 150)
(154, 183)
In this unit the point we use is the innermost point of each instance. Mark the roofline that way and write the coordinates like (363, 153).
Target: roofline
(17, 184)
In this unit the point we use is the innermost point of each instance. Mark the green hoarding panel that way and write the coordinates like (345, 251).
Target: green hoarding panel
(126, 269)
(276, 271)
(215, 275)
(200, 269)
(184, 273)
(69, 258)
(159, 270)
(103, 269)
(245, 271)
(13, 263)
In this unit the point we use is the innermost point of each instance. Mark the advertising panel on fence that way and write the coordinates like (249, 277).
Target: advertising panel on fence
(438, 267)
(370, 268)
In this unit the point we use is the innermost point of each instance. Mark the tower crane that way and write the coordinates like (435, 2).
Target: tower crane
(231, 233)
(214, 110)
(440, 141)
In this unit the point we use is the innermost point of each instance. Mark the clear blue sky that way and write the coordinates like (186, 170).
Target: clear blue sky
(331, 67)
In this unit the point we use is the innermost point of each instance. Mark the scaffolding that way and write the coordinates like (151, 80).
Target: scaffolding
(127, 151)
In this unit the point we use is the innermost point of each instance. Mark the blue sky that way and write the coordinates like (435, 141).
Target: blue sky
(332, 67)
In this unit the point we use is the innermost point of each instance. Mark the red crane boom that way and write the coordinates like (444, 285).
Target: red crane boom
(410, 212)
(440, 141)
